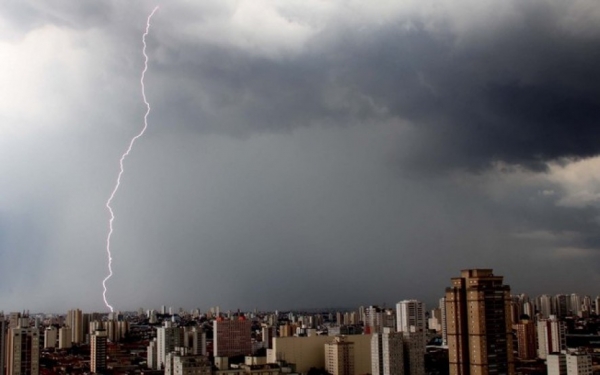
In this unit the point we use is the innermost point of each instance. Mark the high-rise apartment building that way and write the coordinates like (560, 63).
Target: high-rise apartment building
(479, 324)
(579, 363)
(23, 350)
(556, 364)
(98, 343)
(232, 337)
(376, 318)
(562, 305)
(410, 317)
(339, 356)
(64, 337)
(50, 337)
(3, 334)
(551, 336)
(546, 306)
(75, 321)
(387, 353)
(181, 364)
(410, 320)
(168, 337)
(526, 340)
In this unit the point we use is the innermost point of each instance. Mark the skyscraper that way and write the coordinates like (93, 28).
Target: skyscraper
(479, 324)
(98, 342)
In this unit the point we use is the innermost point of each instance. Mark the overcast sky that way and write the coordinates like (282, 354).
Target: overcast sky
(300, 153)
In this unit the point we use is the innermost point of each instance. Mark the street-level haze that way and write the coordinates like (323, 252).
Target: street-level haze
(301, 153)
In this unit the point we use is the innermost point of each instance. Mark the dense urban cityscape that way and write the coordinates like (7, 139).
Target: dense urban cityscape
(479, 327)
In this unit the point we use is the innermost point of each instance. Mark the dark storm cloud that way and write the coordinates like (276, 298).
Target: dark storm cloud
(276, 170)
(522, 92)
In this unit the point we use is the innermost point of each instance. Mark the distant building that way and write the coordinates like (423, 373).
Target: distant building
(339, 356)
(479, 324)
(232, 337)
(75, 322)
(387, 353)
(98, 342)
(50, 337)
(65, 336)
(546, 306)
(152, 355)
(377, 318)
(307, 352)
(178, 364)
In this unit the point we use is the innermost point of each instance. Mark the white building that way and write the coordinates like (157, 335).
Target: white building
(579, 363)
(557, 364)
(551, 336)
(168, 337)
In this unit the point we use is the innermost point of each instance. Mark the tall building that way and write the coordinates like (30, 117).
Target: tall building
(339, 356)
(556, 364)
(551, 336)
(526, 340)
(387, 353)
(64, 337)
(376, 318)
(545, 306)
(50, 337)
(23, 350)
(152, 355)
(168, 337)
(442, 304)
(410, 319)
(575, 304)
(562, 305)
(75, 321)
(232, 337)
(3, 334)
(479, 326)
(98, 341)
(410, 316)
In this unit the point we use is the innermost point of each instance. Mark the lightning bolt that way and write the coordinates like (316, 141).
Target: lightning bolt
(122, 169)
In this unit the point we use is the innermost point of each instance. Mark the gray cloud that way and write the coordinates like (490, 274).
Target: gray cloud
(297, 156)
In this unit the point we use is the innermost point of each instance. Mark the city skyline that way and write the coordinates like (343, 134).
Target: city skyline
(298, 154)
